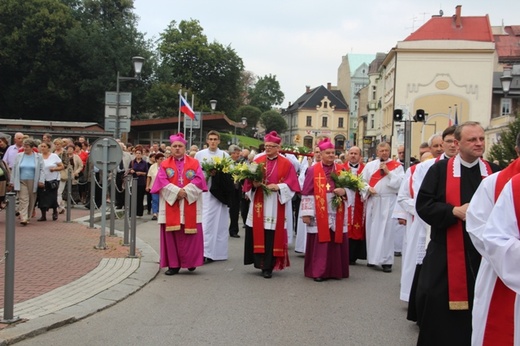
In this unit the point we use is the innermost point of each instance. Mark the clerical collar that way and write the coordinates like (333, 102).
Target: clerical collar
(353, 165)
(179, 159)
(468, 164)
(273, 158)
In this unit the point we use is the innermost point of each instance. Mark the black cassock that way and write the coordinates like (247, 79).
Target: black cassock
(439, 325)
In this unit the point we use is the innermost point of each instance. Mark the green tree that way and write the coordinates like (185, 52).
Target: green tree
(209, 70)
(504, 151)
(266, 93)
(273, 121)
(253, 116)
(33, 49)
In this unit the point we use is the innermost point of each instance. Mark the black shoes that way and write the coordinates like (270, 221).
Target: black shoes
(208, 260)
(397, 254)
(192, 269)
(55, 215)
(172, 271)
(352, 263)
(43, 218)
(267, 274)
(319, 279)
(370, 265)
(387, 268)
(234, 236)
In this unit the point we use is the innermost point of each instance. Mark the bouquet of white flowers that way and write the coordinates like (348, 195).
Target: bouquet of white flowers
(216, 164)
(348, 180)
(252, 171)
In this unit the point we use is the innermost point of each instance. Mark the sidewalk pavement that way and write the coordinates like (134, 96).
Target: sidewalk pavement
(60, 277)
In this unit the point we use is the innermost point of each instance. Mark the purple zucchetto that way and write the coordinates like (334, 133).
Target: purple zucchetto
(178, 137)
(272, 137)
(325, 144)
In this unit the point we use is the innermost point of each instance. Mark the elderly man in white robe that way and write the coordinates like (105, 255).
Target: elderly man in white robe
(383, 177)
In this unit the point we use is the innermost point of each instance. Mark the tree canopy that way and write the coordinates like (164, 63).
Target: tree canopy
(266, 93)
(273, 121)
(504, 150)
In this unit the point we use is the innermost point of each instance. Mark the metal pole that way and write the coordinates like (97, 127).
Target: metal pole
(127, 185)
(179, 115)
(9, 259)
(104, 172)
(92, 196)
(118, 126)
(407, 142)
(235, 139)
(112, 203)
(134, 218)
(69, 193)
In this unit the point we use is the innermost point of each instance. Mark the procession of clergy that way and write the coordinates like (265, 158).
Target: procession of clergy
(460, 250)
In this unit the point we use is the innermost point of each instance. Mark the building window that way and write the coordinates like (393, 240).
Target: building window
(372, 121)
(374, 92)
(307, 141)
(340, 122)
(324, 121)
(505, 106)
(309, 121)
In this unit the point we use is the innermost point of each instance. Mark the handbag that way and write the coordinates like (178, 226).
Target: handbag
(52, 184)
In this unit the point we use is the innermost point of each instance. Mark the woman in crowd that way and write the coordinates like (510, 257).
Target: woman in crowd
(83, 179)
(75, 165)
(4, 171)
(62, 154)
(26, 177)
(48, 193)
(150, 179)
(139, 169)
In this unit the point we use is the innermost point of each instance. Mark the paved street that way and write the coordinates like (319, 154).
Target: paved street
(227, 303)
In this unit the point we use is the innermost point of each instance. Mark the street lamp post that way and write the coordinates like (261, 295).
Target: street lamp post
(244, 123)
(213, 105)
(138, 65)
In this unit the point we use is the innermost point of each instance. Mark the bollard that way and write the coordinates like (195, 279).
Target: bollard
(127, 182)
(113, 203)
(133, 227)
(9, 259)
(69, 193)
(92, 197)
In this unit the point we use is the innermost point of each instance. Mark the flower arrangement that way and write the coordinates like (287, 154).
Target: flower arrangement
(348, 180)
(297, 151)
(216, 164)
(252, 171)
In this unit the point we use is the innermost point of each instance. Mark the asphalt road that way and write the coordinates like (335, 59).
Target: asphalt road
(227, 303)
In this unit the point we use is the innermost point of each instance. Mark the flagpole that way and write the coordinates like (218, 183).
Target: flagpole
(191, 123)
(449, 116)
(179, 116)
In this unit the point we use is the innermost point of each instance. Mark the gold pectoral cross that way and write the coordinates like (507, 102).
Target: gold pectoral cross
(328, 186)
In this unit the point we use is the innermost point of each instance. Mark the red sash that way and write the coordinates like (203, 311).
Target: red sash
(456, 260)
(321, 206)
(500, 323)
(374, 179)
(173, 212)
(280, 233)
(356, 222)
(410, 182)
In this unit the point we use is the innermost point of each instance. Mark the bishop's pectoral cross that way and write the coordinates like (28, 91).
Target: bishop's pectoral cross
(181, 180)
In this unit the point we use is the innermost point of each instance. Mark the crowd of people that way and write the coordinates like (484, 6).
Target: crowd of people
(452, 216)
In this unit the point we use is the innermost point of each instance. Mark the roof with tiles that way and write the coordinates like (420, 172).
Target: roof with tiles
(457, 27)
(507, 45)
(313, 97)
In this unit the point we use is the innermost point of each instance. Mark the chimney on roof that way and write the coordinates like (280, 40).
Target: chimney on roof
(458, 19)
(307, 88)
(328, 86)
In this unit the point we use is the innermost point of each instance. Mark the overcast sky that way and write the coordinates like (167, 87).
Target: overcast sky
(302, 41)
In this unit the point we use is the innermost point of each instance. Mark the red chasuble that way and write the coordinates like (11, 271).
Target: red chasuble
(500, 323)
(456, 259)
(356, 220)
(321, 206)
(173, 213)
